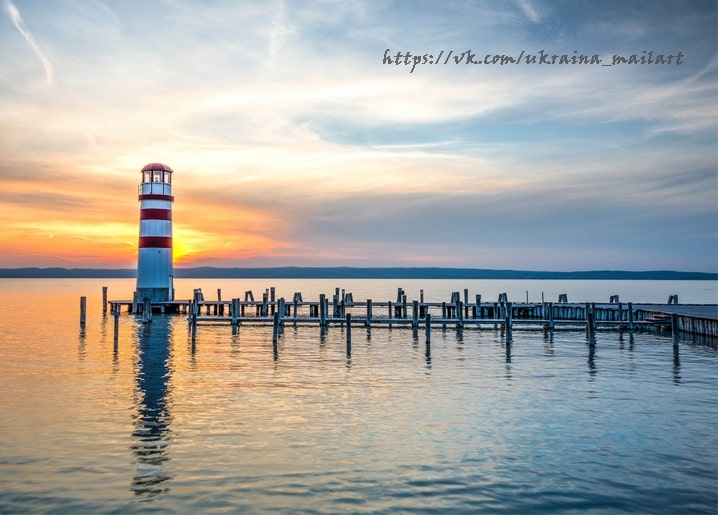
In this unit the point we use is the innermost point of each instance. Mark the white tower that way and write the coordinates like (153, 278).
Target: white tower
(154, 256)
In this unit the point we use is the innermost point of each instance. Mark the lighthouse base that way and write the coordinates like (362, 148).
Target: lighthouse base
(154, 294)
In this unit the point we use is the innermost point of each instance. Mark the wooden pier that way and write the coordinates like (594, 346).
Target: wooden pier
(459, 311)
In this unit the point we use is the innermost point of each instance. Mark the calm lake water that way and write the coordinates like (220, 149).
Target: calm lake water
(156, 424)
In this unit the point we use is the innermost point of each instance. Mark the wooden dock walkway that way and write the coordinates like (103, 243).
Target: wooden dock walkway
(458, 312)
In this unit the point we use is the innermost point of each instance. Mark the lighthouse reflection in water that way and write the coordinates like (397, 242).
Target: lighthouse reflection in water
(152, 436)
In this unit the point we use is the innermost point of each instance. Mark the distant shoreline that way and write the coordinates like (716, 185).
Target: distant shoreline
(356, 273)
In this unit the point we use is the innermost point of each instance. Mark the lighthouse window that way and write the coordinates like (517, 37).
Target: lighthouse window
(168, 178)
(157, 176)
(147, 176)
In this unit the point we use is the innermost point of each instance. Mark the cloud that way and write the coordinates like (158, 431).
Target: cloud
(17, 20)
(529, 9)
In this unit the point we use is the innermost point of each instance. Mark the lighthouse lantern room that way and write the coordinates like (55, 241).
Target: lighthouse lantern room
(154, 253)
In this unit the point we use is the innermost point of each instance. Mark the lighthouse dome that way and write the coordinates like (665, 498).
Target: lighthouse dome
(157, 166)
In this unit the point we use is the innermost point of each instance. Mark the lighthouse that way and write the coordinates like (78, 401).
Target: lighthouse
(154, 253)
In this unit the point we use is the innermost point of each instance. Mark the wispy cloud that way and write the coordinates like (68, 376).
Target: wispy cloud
(19, 23)
(529, 9)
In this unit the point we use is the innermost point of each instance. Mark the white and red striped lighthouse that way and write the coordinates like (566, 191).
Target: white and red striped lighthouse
(154, 256)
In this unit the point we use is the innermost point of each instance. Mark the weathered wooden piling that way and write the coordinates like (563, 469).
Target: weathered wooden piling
(296, 300)
(369, 305)
(349, 333)
(235, 311)
(275, 330)
(116, 329)
(281, 310)
(83, 311)
(322, 310)
(590, 322)
(415, 313)
(193, 326)
(427, 328)
(146, 310)
(508, 316)
(104, 300)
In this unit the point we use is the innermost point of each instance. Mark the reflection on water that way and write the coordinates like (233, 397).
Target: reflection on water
(152, 437)
(676, 365)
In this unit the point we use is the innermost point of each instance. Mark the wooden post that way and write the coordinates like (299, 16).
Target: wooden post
(296, 300)
(415, 313)
(368, 312)
(322, 310)
(146, 310)
(443, 313)
(265, 304)
(674, 328)
(403, 306)
(349, 333)
(590, 323)
(427, 328)
(275, 330)
(508, 322)
(193, 324)
(459, 315)
(219, 310)
(117, 322)
(235, 311)
(281, 310)
(389, 303)
(421, 296)
(83, 311)
(104, 299)
(630, 316)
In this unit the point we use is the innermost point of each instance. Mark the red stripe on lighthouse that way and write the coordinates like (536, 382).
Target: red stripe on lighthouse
(155, 214)
(155, 196)
(155, 242)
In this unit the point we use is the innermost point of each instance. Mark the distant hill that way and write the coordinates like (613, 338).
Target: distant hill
(292, 272)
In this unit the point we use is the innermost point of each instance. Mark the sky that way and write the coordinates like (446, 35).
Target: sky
(297, 140)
